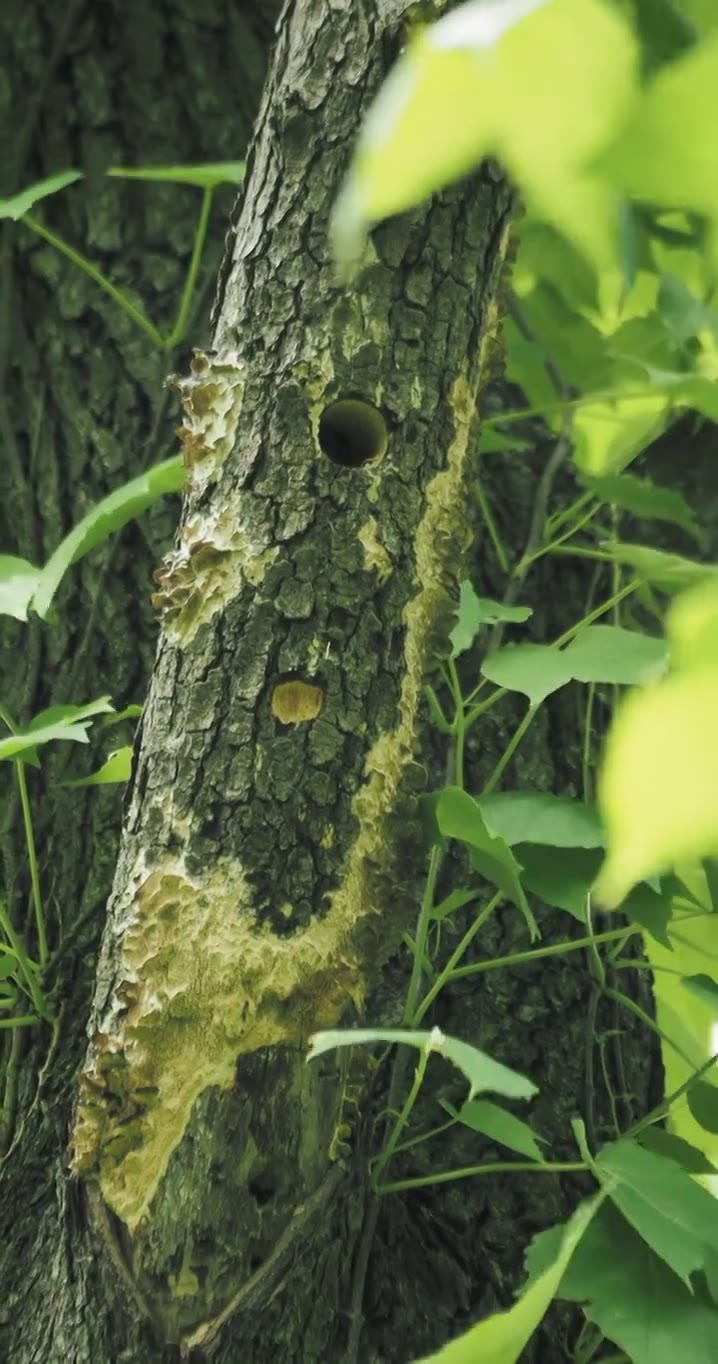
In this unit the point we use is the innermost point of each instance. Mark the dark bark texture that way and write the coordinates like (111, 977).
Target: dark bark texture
(270, 861)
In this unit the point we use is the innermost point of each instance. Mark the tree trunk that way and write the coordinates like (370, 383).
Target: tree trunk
(217, 1206)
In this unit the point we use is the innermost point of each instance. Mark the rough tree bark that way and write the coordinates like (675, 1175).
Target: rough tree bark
(270, 857)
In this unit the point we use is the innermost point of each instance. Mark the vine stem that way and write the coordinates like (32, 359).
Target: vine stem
(498, 1167)
(422, 931)
(386, 1154)
(180, 323)
(81, 261)
(554, 950)
(448, 970)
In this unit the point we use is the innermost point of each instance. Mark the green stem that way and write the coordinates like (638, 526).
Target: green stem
(77, 258)
(555, 950)
(459, 726)
(425, 1136)
(605, 395)
(491, 528)
(632, 1007)
(22, 1021)
(422, 930)
(34, 868)
(180, 324)
(448, 970)
(385, 1156)
(499, 1167)
(560, 540)
(509, 751)
(667, 1103)
(23, 961)
(568, 513)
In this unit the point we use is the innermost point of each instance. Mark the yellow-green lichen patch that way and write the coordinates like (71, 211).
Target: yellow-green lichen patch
(211, 398)
(376, 557)
(207, 570)
(202, 985)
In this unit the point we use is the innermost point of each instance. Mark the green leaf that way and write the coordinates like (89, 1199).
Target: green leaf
(474, 611)
(669, 572)
(8, 964)
(686, 315)
(632, 1296)
(20, 204)
(561, 877)
(692, 626)
(652, 910)
(673, 1214)
(117, 768)
(470, 87)
(481, 1071)
(539, 817)
(703, 1105)
(535, 670)
(646, 500)
(609, 433)
(502, 1338)
(666, 1144)
(106, 517)
(18, 582)
(662, 155)
(205, 177)
(663, 31)
(658, 785)
(607, 653)
(458, 816)
(60, 722)
(500, 1126)
(703, 987)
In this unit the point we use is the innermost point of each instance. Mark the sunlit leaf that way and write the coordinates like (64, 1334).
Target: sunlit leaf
(460, 817)
(205, 177)
(470, 86)
(18, 583)
(106, 517)
(502, 1338)
(658, 784)
(20, 204)
(482, 1072)
(609, 433)
(692, 626)
(117, 768)
(663, 154)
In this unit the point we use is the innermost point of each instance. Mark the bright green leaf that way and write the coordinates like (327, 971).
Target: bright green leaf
(663, 155)
(539, 817)
(609, 433)
(703, 987)
(692, 626)
(674, 1214)
(502, 1338)
(482, 1072)
(117, 768)
(470, 86)
(458, 816)
(536, 670)
(66, 722)
(474, 611)
(658, 785)
(20, 204)
(607, 653)
(107, 516)
(456, 899)
(500, 1126)
(646, 500)
(18, 582)
(205, 177)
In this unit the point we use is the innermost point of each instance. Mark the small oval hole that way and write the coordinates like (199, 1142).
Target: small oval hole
(352, 432)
